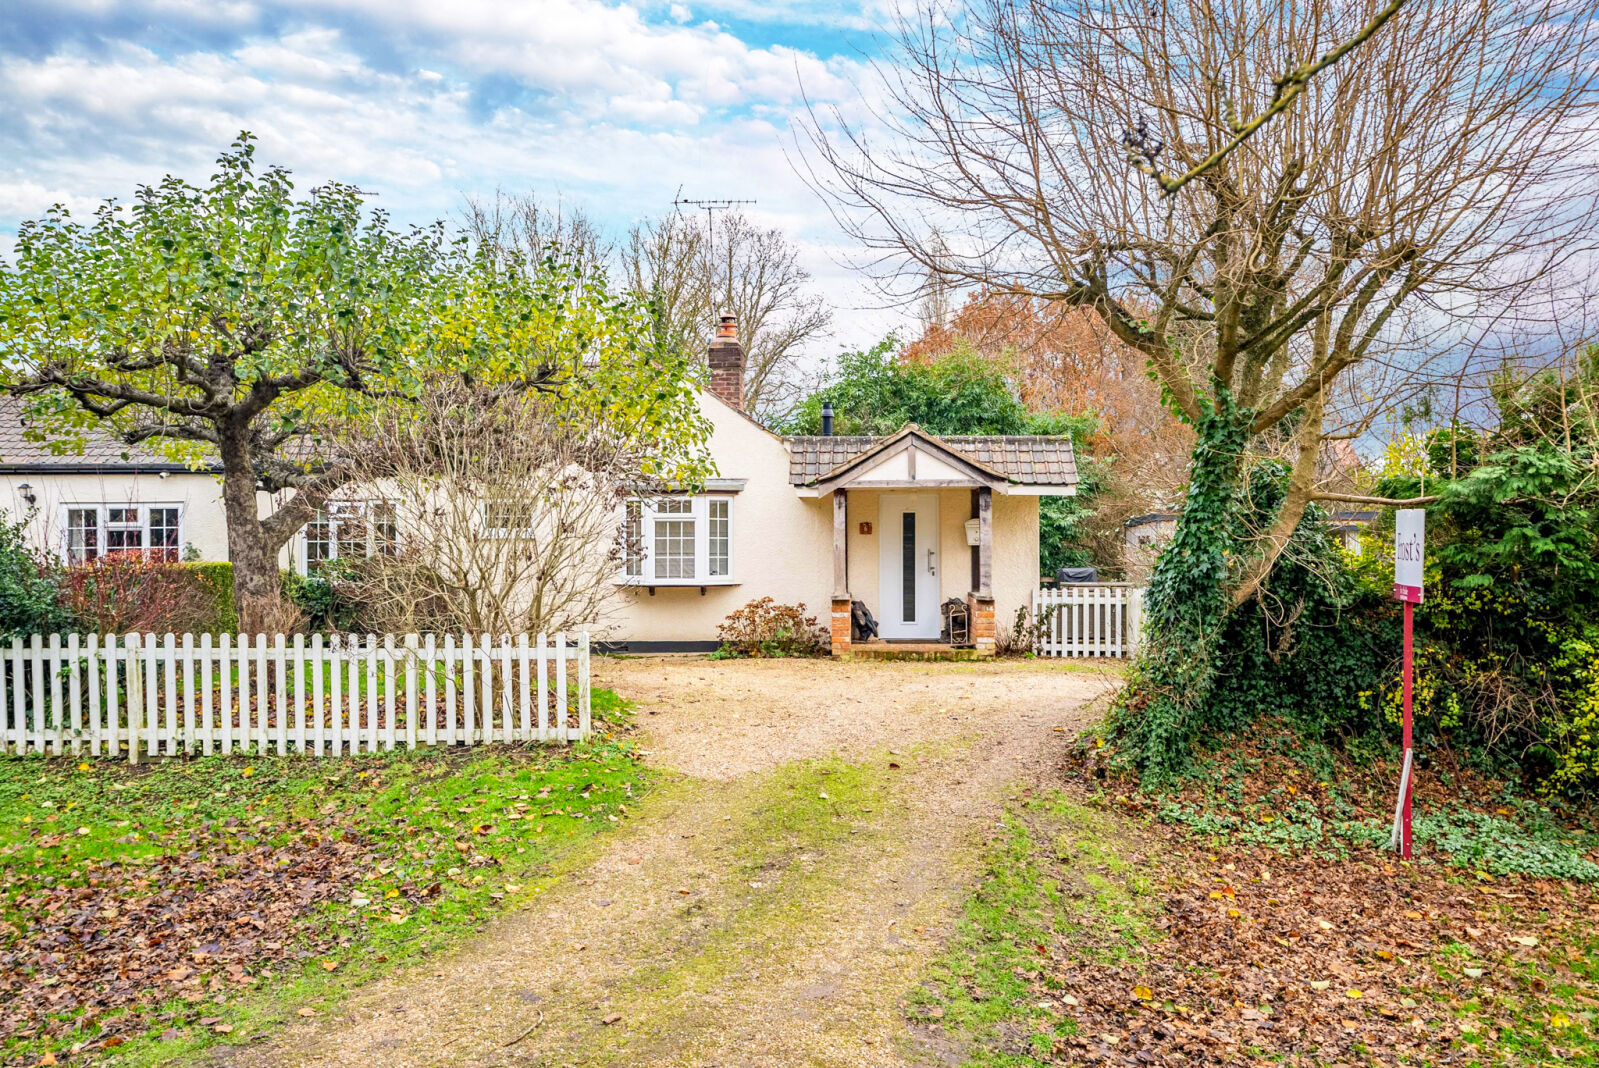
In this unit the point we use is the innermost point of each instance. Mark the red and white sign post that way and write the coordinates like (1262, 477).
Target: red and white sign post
(1409, 542)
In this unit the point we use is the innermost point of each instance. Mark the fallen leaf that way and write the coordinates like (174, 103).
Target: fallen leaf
(611, 1019)
(329, 965)
(1143, 993)
(1353, 993)
(1320, 984)
(308, 1011)
(1525, 940)
(223, 1029)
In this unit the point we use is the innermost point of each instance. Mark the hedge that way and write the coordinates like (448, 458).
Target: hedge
(219, 577)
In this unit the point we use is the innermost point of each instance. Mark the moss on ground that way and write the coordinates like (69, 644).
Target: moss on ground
(796, 835)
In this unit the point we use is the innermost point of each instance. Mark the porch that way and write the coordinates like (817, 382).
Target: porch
(903, 554)
(926, 526)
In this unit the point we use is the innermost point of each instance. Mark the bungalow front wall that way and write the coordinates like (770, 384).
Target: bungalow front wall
(782, 541)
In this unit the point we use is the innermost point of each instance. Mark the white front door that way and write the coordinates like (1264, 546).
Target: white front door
(907, 582)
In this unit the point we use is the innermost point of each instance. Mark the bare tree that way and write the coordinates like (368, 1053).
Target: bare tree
(523, 223)
(696, 271)
(508, 518)
(1424, 179)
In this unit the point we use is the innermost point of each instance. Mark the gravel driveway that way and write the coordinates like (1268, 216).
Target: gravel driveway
(710, 930)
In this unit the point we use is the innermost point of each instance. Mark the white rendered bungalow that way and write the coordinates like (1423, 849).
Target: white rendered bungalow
(896, 527)
(901, 524)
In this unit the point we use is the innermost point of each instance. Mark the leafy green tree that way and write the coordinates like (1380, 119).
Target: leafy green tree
(874, 392)
(236, 324)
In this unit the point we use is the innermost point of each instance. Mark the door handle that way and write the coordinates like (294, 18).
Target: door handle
(930, 569)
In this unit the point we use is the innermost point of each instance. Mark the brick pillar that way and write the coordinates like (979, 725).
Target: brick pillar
(982, 610)
(841, 626)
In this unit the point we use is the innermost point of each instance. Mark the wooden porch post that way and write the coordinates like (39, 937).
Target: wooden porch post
(985, 542)
(840, 544)
(841, 621)
(982, 599)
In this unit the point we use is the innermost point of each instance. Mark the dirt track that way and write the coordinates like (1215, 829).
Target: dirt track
(762, 909)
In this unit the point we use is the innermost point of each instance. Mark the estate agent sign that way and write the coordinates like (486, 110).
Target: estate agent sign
(1409, 531)
(1409, 542)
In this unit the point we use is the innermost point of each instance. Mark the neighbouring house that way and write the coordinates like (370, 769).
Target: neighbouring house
(1347, 523)
(901, 524)
(1143, 538)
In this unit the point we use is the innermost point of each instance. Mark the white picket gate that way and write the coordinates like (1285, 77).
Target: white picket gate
(1100, 619)
(145, 696)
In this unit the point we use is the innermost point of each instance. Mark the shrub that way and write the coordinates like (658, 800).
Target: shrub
(766, 628)
(1304, 648)
(29, 602)
(1022, 636)
(123, 592)
(323, 598)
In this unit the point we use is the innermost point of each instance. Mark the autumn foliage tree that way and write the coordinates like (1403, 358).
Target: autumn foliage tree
(1061, 358)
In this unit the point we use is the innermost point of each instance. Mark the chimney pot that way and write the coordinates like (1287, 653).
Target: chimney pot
(827, 419)
(726, 357)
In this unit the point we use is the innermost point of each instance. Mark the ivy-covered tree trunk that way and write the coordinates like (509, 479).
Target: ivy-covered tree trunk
(1189, 598)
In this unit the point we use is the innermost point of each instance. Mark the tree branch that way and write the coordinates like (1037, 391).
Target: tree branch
(1379, 502)
(1288, 88)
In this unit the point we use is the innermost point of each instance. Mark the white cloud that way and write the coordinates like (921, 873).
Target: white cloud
(422, 102)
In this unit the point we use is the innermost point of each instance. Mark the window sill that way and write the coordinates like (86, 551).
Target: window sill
(720, 580)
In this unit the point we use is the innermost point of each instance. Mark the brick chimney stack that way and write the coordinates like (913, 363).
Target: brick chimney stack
(727, 362)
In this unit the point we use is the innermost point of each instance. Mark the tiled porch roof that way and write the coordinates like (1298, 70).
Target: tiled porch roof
(1026, 459)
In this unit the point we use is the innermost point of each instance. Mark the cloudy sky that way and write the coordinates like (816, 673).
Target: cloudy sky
(613, 107)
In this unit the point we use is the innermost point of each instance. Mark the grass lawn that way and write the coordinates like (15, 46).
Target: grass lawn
(147, 911)
(1124, 929)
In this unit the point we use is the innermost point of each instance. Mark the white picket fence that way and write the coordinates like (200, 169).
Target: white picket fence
(1102, 619)
(143, 695)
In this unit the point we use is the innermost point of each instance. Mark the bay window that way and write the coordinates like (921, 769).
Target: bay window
(679, 541)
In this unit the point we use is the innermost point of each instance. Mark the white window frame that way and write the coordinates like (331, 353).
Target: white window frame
(639, 568)
(329, 515)
(493, 531)
(103, 526)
